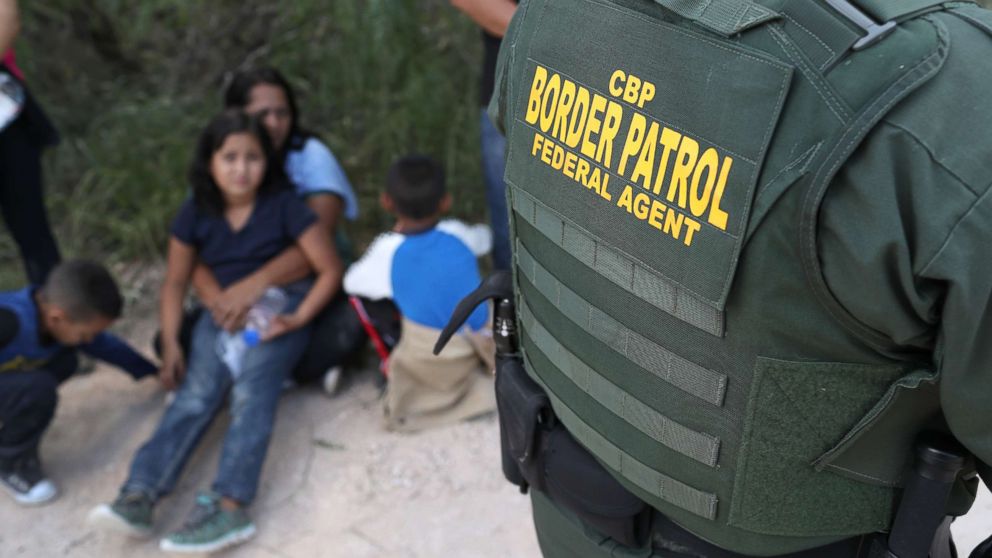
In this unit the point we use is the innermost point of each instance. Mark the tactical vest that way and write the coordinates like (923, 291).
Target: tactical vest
(24, 351)
(666, 166)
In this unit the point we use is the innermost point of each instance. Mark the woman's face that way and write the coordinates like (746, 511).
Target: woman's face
(268, 103)
(238, 167)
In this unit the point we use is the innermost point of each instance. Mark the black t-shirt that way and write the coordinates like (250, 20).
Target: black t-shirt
(490, 50)
(276, 221)
(490, 46)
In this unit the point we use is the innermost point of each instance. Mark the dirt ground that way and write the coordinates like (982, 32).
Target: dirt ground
(335, 483)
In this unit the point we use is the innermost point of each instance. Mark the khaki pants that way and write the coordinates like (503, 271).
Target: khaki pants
(425, 390)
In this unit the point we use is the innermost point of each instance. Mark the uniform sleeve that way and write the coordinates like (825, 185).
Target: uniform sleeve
(318, 172)
(964, 348)
(371, 275)
(904, 246)
(296, 216)
(478, 238)
(184, 225)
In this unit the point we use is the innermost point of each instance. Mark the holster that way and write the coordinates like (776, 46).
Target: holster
(538, 452)
(524, 409)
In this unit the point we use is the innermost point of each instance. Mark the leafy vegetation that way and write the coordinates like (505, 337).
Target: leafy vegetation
(130, 82)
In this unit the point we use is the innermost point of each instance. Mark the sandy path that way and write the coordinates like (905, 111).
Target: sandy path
(335, 484)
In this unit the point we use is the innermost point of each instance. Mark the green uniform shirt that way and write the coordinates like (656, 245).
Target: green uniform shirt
(906, 239)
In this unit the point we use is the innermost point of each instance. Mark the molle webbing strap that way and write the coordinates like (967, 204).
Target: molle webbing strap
(658, 485)
(688, 376)
(627, 273)
(695, 445)
(726, 17)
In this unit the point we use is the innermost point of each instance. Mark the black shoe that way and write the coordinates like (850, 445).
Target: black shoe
(23, 478)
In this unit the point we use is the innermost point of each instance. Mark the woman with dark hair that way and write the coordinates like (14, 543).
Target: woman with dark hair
(241, 216)
(319, 179)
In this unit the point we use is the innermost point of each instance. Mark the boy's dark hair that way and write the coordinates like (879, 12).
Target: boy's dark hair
(238, 94)
(84, 289)
(416, 185)
(206, 194)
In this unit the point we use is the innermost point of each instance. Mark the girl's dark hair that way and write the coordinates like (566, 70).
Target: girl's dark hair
(238, 94)
(206, 194)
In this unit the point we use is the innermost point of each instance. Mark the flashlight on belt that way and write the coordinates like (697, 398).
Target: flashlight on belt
(924, 498)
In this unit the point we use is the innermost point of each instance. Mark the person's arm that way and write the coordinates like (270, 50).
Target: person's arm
(492, 15)
(964, 351)
(181, 259)
(329, 208)
(904, 243)
(10, 24)
(316, 246)
(207, 288)
(114, 350)
(319, 177)
(229, 307)
(478, 238)
(371, 275)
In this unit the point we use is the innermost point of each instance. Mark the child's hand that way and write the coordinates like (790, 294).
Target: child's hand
(283, 323)
(173, 367)
(231, 306)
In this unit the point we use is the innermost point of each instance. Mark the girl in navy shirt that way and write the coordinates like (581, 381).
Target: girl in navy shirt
(241, 215)
(319, 180)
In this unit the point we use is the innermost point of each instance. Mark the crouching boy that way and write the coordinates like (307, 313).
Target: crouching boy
(40, 327)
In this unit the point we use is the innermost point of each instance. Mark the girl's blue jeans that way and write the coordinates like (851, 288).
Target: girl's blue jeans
(254, 396)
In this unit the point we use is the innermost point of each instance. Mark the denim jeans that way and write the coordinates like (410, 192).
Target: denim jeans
(254, 396)
(493, 166)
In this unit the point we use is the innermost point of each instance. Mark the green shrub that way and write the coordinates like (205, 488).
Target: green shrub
(130, 83)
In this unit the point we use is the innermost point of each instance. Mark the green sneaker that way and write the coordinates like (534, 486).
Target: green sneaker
(210, 528)
(130, 514)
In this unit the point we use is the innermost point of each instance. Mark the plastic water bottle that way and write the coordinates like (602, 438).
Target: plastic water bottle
(232, 347)
(11, 99)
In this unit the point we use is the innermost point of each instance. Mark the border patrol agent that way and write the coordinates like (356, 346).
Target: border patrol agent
(751, 248)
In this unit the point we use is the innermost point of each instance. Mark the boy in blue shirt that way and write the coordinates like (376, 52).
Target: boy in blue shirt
(39, 329)
(427, 265)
